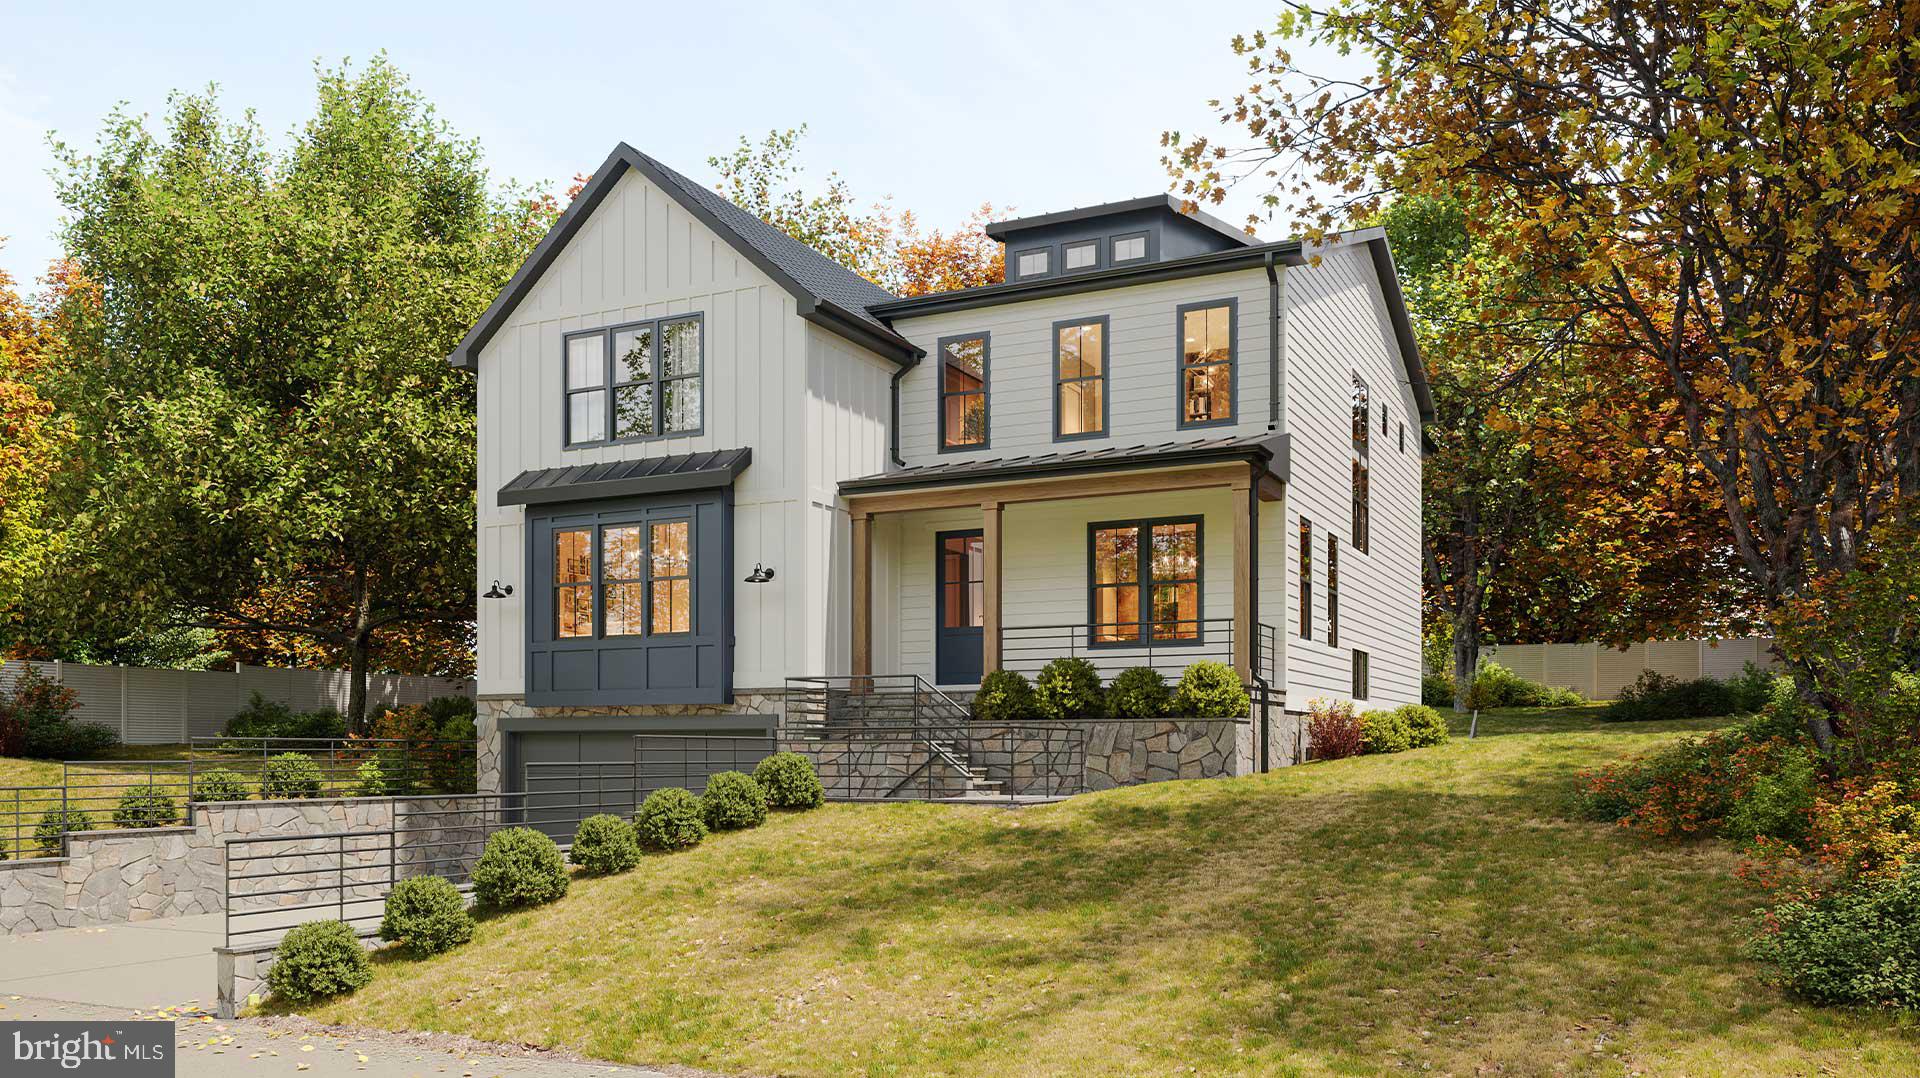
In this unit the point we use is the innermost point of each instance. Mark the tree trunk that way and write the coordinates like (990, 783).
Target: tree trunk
(1466, 659)
(358, 655)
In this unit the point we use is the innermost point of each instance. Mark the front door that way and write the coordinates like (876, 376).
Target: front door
(960, 573)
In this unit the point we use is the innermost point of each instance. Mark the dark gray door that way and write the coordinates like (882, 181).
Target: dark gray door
(960, 568)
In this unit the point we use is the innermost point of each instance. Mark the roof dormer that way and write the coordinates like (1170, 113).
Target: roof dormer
(1113, 235)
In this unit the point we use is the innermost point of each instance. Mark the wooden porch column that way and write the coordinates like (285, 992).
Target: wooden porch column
(990, 512)
(1244, 645)
(862, 661)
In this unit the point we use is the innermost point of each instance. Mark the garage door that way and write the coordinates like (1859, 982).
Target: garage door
(570, 776)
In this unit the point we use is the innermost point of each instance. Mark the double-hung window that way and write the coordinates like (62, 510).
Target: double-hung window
(642, 574)
(1144, 583)
(963, 392)
(1080, 378)
(635, 381)
(1206, 362)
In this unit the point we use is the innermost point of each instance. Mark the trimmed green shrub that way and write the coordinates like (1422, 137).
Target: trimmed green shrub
(426, 916)
(1005, 696)
(369, 779)
(1211, 690)
(1425, 726)
(789, 781)
(1436, 690)
(145, 806)
(220, 784)
(519, 867)
(1857, 946)
(670, 819)
(1139, 693)
(605, 844)
(56, 822)
(733, 801)
(1384, 732)
(1068, 689)
(317, 960)
(288, 776)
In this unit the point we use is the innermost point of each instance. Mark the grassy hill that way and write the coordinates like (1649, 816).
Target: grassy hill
(1432, 910)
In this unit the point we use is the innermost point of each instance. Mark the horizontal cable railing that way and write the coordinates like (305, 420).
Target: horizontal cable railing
(1167, 646)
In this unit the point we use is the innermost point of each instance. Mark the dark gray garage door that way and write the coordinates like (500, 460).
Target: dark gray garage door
(570, 776)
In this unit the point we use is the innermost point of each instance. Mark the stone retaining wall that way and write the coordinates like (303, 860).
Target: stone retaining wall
(1121, 753)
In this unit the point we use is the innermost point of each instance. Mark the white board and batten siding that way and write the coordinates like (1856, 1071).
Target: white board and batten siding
(642, 255)
(1338, 325)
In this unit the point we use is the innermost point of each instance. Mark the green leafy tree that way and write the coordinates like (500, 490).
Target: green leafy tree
(260, 389)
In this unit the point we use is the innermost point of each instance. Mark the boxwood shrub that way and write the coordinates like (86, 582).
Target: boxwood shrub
(519, 867)
(789, 781)
(1139, 693)
(1211, 690)
(605, 844)
(670, 819)
(1005, 696)
(1384, 732)
(426, 916)
(1069, 689)
(733, 801)
(145, 806)
(1425, 726)
(289, 776)
(317, 960)
(220, 784)
(56, 822)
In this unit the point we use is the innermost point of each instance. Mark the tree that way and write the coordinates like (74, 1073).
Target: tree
(260, 392)
(1730, 189)
(32, 443)
(942, 262)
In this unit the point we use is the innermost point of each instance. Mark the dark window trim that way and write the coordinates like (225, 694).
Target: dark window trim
(1362, 483)
(940, 394)
(1403, 436)
(1232, 304)
(1145, 526)
(1306, 578)
(1099, 255)
(692, 578)
(1333, 590)
(1105, 379)
(1146, 248)
(1362, 675)
(597, 579)
(1013, 261)
(658, 381)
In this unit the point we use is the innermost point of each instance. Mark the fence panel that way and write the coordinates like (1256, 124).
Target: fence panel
(1599, 672)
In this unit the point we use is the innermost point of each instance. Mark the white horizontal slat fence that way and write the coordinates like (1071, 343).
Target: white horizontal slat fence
(1599, 672)
(162, 707)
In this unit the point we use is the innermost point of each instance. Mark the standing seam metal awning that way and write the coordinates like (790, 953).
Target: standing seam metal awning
(627, 478)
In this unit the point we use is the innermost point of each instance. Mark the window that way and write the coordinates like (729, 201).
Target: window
(1129, 248)
(646, 580)
(631, 382)
(1144, 583)
(1207, 362)
(1383, 419)
(1306, 579)
(1403, 437)
(1033, 263)
(1361, 675)
(963, 392)
(963, 581)
(1080, 256)
(1362, 422)
(1080, 378)
(1333, 591)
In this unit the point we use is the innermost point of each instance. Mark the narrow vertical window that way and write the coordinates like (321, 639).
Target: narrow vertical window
(633, 382)
(1361, 676)
(1206, 363)
(1333, 590)
(1174, 570)
(1403, 437)
(1116, 585)
(963, 392)
(1362, 424)
(586, 388)
(680, 361)
(1306, 579)
(573, 583)
(622, 594)
(1361, 513)
(963, 578)
(1080, 378)
(670, 575)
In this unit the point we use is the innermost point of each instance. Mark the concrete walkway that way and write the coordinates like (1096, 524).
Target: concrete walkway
(160, 963)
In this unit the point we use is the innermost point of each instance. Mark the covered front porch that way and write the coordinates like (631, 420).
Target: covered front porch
(1145, 556)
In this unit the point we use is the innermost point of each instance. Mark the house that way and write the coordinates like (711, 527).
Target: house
(711, 461)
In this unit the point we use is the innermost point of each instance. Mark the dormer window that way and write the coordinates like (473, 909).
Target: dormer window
(1035, 263)
(1082, 256)
(1129, 248)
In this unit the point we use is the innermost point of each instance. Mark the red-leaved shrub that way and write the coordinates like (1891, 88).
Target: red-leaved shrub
(1333, 730)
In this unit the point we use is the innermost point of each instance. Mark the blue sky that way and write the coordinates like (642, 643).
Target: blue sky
(1037, 105)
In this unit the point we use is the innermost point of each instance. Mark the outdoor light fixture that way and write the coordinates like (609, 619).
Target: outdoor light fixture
(497, 592)
(760, 575)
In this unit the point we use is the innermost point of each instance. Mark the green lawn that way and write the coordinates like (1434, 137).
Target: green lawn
(18, 772)
(1428, 911)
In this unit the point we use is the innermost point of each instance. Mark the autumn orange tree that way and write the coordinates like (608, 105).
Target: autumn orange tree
(1729, 188)
(32, 440)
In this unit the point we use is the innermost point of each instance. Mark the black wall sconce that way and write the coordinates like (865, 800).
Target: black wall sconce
(760, 575)
(497, 592)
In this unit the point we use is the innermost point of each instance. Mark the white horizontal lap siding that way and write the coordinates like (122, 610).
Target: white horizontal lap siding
(1141, 343)
(643, 256)
(1337, 325)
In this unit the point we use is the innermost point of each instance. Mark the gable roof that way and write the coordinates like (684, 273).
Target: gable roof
(825, 292)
